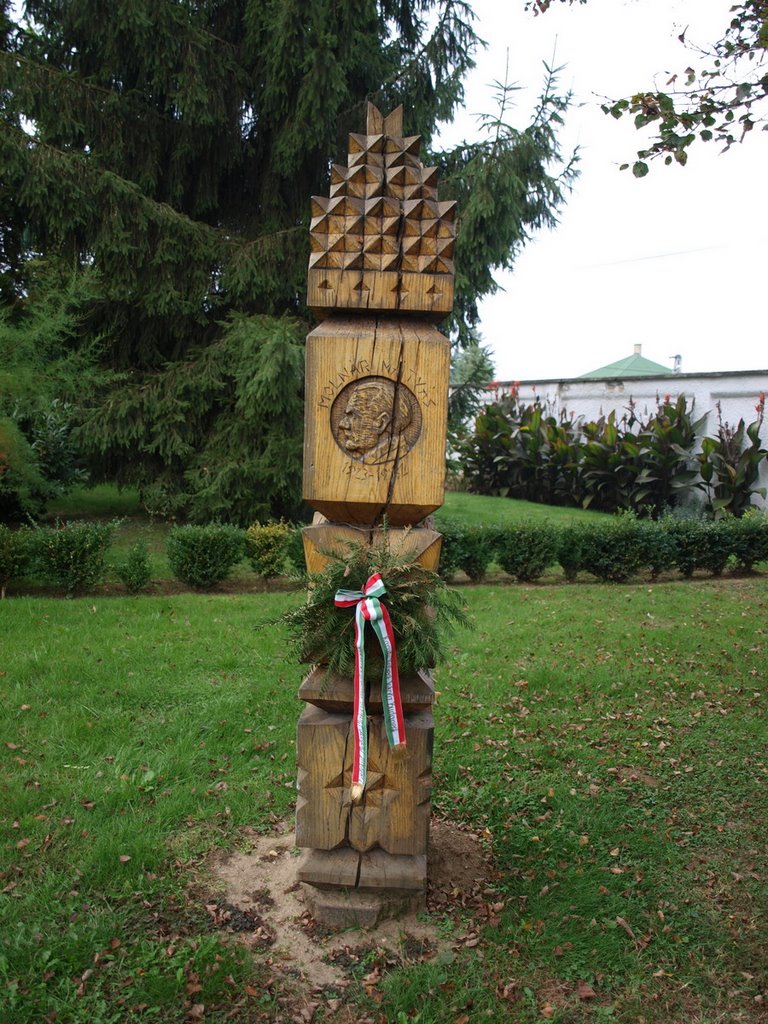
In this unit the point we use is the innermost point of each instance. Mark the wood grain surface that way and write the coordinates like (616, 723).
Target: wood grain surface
(326, 542)
(403, 481)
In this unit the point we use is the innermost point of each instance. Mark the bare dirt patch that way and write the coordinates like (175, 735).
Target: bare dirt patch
(259, 899)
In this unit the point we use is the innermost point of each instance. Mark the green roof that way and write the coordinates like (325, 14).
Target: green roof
(632, 366)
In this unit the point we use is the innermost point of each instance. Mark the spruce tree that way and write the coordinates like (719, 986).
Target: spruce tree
(171, 147)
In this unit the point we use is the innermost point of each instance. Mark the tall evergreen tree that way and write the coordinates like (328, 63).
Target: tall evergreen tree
(172, 146)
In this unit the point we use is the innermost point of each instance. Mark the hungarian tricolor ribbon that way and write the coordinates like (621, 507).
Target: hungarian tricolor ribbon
(368, 608)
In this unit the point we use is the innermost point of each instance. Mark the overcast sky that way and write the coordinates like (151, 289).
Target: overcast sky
(676, 260)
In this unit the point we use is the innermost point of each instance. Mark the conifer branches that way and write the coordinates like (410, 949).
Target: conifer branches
(172, 149)
(423, 610)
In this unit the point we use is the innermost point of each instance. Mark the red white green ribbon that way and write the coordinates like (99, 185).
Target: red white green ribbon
(368, 608)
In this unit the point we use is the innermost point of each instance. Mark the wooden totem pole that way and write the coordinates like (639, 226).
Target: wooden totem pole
(380, 274)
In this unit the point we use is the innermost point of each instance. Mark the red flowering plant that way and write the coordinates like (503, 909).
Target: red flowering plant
(729, 464)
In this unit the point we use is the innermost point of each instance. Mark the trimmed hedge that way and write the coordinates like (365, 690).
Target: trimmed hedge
(71, 555)
(203, 556)
(470, 549)
(615, 550)
(612, 551)
(267, 547)
(15, 555)
(618, 548)
(749, 540)
(526, 550)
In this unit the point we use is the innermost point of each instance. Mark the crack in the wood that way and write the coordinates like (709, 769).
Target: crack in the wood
(395, 398)
(381, 514)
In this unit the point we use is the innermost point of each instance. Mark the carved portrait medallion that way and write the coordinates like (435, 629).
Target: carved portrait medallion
(375, 420)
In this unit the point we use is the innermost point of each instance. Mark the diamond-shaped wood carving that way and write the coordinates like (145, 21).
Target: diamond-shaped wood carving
(382, 209)
(394, 813)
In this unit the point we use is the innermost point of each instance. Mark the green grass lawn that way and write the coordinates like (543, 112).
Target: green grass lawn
(106, 501)
(477, 509)
(610, 742)
(103, 501)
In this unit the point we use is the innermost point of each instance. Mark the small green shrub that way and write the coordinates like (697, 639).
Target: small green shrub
(202, 556)
(691, 539)
(294, 550)
(71, 555)
(658, 547)
(526, 550)
(134, 571)
(571, 550)
(14, 555)
(717, 546)
(749, 539)
(267, 548)
(613, 551)
(475, 551)
(450, 549)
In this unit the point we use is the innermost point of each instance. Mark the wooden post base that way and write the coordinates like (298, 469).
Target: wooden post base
(344, 888)
(394, 812)
(337, 909)
(371, 871)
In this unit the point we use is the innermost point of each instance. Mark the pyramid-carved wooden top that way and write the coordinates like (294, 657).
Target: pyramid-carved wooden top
(382, 240)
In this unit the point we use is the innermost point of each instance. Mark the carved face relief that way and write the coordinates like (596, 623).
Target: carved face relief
(375, 419)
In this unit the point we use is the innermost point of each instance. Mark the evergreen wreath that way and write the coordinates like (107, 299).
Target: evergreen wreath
(420, 604)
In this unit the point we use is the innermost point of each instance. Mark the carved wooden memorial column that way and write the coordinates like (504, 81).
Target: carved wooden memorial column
(380, 272)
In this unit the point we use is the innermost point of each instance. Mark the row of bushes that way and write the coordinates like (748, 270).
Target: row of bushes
(73, 556)
(614, 550)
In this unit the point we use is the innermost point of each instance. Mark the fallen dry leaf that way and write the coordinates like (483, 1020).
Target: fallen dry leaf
(623, 924)
(585, 991)
(507, 990)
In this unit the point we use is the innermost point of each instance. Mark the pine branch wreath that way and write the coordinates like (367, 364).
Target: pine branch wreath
(422, 608)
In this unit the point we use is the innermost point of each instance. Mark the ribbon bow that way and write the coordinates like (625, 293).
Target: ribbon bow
(368, 608)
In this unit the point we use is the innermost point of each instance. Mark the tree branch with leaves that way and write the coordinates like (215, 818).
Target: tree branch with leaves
(722, 99)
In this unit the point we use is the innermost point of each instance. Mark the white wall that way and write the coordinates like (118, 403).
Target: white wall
(737, 392)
